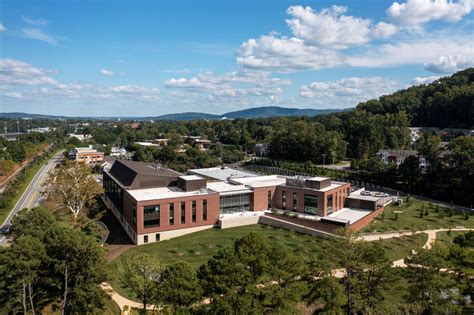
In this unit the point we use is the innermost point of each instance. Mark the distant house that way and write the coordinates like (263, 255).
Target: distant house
(40, 130)
(80, 136)
(162, 142)
(117, 151)
(198, 142)
(397, 157)
(203, 144)
(86, 155)
(261, 149)
(146, 144)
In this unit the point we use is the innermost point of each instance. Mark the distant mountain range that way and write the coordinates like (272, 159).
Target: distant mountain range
(256, 112)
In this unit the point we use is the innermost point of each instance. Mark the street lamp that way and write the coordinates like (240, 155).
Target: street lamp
(324, 158)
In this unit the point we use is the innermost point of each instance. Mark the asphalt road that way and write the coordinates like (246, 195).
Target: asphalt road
(31, 197)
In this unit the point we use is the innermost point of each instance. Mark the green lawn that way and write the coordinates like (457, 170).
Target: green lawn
(408, 218)
(448, 237)
(30, 173)
(197, 248)
(400, 247)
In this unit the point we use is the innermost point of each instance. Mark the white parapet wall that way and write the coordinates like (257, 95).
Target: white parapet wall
(239, 219)
(166, 235)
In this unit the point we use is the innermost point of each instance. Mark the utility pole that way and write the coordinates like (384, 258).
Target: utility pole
(18, 126)
(324, 159)
(5, 129)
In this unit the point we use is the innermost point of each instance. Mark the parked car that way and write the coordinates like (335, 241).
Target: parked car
(381, 194)
(366, 193)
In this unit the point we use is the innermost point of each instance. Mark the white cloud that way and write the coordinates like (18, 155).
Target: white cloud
(16, 72)
(384, 30)
(412, 52)
(415, 13)
(38, 34)
(229, 85)
(21, 79)
(13, 95)
(331, 28)
(424, 80)
(349, 91)
(285, 54)
(34, 21)
(450, 64)
(2, 27)
(107, 72)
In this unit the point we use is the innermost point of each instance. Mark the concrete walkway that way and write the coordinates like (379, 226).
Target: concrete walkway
(123, 302)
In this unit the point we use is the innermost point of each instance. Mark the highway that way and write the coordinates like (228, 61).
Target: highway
(31, 197)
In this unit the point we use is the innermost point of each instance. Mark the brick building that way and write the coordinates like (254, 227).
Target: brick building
(154, 203)
(86, 155)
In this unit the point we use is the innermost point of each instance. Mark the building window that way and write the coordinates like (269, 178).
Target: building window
(171, 213)
(295, 202)
(194, 211)
(310, 204)
(235, 203)
(134, 214)
(183, 212)
(157, 237)
(283, 200)
(204, 210)
(269, 199)
(151, 216)
(329, 204)
(145, 239)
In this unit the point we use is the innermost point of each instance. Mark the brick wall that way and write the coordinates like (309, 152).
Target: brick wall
(213, 210)
(366, 220)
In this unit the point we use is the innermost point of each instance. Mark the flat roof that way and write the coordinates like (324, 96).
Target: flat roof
(191, 177)
(220, 173)
(349, 215)
(357, 195)
(318, 178)
(226, 188)
(165, 193)
(261, 181)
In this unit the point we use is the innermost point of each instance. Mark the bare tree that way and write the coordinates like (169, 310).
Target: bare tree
(72, 187)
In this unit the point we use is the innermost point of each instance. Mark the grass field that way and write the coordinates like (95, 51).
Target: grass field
(407, 217)
(197, 248)
(30, 172)
(400, 247)
(448, 237)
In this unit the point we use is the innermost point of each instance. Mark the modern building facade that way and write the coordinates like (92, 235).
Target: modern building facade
(154, 203)
(86, 155)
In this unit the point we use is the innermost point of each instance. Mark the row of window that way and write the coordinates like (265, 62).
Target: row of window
(311, 203)
(151, 214)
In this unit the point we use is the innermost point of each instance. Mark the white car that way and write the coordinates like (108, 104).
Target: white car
(366, 193)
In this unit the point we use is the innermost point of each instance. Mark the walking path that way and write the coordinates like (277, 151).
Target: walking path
(124, 303)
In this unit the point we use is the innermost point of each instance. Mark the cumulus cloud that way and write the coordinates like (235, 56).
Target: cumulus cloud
(450, 64)
(24, 80)
(16, 72)
(331, 28)
(107, 72)
(38, 34)
(411, 52)
(415, 13)
(236, 83)
(424, 80)
(284, 54)
(384, 30)
(34, 21)
(349, 91)
(2, 27)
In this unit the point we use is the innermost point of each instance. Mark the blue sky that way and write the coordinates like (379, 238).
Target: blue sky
(137, 58)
